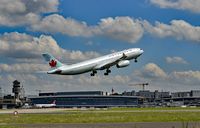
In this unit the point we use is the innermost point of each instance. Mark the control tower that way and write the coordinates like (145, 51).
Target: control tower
(16, 89)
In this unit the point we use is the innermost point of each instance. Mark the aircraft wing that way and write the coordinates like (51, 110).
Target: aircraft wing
(109, 63)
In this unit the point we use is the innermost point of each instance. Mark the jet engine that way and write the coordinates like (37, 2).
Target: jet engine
(123, 63)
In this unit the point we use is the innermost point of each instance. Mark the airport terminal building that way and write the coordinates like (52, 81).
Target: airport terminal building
(142, 98)
(86, 99)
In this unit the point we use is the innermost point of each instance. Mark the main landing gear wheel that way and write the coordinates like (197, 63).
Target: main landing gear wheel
(107, 72)
(93, 73)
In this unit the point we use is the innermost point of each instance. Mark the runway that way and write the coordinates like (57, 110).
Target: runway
(68, 110)
(33, 111)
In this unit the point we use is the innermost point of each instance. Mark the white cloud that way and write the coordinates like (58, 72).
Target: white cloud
(23, 12)
(187, 75)
(160, 79)
(32, 81)
(121, 28)
(176, 60)
(151, 73)
(30, 15)
(21, 45)
(155, 70)
(25, 46)
(178, 29)
(58, 24)
(41, 6)
(151, 70)
(190, 5)
(188, 78)
(22, 68)
(110, 80)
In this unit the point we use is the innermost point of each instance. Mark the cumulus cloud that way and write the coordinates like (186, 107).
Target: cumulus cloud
(189, 78)
(23, 12)
(176, 60)
(97, 80)
(167, 80)
(21, 45)
(151, 70)
(25, 46)
(121, 28)
(183, 79)
(32, 81)
(187, 75)
(178, 29)
(22, 68)
(30, 14)
(58, 24)
(190, 5)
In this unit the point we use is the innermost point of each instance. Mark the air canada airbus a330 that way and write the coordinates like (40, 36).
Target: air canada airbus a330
(119, 59)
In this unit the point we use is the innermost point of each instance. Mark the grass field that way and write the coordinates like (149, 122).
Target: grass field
(154, 108)
(106, 116)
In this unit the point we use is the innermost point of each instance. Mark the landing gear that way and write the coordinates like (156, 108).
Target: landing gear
(107, 72)
(93, 73)
(136, 60)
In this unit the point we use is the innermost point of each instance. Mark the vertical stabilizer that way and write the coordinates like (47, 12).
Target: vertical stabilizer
(53, 62)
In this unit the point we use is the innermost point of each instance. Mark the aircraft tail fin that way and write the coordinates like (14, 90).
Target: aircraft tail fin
(53, 62)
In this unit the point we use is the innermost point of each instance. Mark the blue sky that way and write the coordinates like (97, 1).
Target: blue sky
(91, 12)
(74, 30)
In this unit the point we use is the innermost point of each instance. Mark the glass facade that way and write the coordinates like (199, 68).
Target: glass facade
(87, 101)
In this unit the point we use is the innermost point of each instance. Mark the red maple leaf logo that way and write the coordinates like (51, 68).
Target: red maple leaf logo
(52, 63)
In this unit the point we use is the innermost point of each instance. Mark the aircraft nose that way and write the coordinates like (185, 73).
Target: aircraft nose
(141, 51)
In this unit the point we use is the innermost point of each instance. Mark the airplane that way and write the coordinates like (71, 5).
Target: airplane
(53, 104)
(119, 59)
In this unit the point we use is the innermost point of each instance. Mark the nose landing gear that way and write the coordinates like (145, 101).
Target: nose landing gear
(136, 60)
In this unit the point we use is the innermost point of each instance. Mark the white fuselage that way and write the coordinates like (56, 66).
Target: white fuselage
(45, 105)
(96, 64)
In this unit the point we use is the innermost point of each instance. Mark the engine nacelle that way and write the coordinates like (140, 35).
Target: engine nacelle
(123, 63)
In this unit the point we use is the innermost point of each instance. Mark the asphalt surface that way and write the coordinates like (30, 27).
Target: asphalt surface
(116, 125)
(61, 111)
(29, 111)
